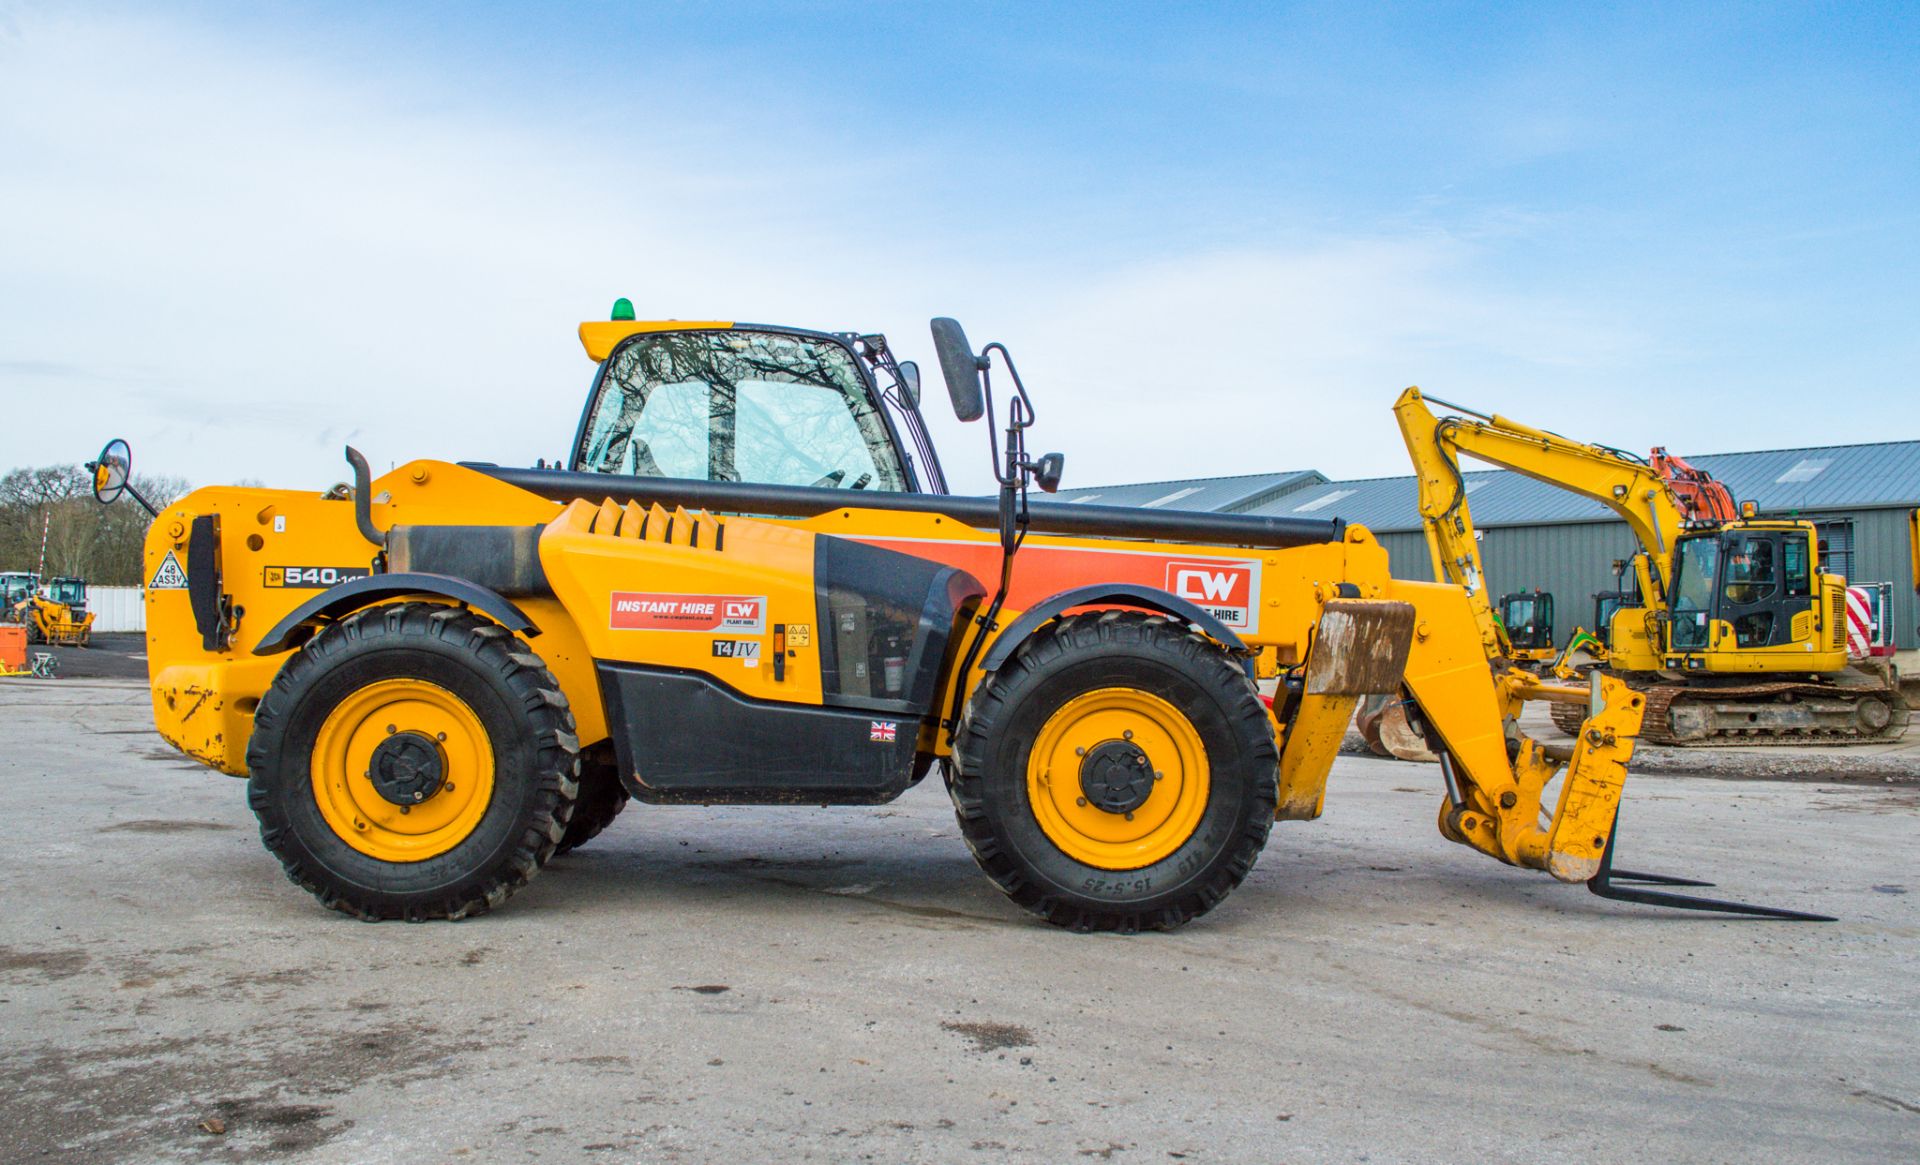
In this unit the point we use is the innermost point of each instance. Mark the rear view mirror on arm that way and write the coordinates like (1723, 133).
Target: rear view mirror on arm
(910, 382)
(113, 476)
(960, 368)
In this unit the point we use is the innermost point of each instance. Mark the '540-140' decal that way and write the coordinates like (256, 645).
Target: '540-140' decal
(313, 577)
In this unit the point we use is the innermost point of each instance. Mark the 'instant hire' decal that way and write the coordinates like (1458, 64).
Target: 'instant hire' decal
(645, 611)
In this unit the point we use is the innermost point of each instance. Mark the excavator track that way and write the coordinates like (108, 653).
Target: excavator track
(1757, 714)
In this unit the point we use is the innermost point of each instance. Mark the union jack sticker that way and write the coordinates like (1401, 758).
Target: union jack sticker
(883, 731)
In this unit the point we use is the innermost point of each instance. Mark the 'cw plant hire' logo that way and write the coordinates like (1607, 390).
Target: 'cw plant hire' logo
(1224, 589)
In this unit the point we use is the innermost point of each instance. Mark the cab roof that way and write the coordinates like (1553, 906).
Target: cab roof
(601, 337)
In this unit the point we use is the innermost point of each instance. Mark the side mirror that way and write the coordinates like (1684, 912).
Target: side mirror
(960, 368)
(1047, 470)
(910, 382)
(111, 472)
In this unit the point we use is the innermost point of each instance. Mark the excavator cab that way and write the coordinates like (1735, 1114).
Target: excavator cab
(1747, 597)
(1606, 604)
(1528, 616)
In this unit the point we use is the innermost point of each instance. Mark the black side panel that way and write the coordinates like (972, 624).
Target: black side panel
(203, 583)
(683, 737)
(503, 559)
(885, 620)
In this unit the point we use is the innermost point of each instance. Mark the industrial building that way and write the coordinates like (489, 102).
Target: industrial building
(1536, 536)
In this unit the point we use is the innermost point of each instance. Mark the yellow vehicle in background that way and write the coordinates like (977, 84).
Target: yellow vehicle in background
(15, 587)
(1739, 636)
(748, 586)
(1527, 619)
(56, 613)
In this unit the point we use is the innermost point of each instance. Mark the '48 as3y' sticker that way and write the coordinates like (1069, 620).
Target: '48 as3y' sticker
(313, 577)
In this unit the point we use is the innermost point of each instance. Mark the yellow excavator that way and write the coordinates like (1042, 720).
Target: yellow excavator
(1738, 637)
(747, 585)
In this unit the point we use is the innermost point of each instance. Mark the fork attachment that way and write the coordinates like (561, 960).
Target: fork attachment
(1603, 884)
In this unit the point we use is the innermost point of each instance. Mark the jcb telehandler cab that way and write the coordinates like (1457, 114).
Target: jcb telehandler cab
(57, 613)
(740, 592)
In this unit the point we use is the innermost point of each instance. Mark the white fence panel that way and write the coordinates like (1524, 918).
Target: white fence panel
(117, 608)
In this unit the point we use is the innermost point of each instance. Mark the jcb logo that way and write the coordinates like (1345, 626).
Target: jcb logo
(1223, 589)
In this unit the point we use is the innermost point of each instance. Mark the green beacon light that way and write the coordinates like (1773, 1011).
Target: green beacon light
(622, 308)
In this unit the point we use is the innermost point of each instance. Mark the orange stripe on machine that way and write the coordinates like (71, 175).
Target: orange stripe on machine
(1226, 588)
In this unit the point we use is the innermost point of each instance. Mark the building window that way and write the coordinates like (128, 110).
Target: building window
(1836, 546)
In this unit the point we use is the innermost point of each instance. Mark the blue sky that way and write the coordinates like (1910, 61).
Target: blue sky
(1219, 237)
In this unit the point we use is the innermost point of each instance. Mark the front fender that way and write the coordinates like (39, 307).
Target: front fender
(1114, 594)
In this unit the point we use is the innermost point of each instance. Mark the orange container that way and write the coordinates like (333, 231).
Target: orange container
(13, 648)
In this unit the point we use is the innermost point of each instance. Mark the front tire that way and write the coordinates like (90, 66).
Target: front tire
(413, 761)
(1117, 773)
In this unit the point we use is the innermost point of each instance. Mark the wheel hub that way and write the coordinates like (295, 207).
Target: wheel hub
(406, 768)
(1115, 776)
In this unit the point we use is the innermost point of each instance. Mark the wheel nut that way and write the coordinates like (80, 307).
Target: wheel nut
(1080, 801)
(1129, 817)
(419, 796)
(1079, 751)
(441, 737)
(1128, 734)
(390, 730)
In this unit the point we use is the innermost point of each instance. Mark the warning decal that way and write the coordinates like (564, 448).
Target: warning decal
(168, 576)
(1221, 588)
(640, 611)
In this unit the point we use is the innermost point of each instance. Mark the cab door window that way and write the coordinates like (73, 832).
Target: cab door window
(1797, 566)
(1753, 599)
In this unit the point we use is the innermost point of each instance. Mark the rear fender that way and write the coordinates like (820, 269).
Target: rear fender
(303, 621)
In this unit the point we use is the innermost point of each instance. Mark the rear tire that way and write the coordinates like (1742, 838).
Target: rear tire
(601, 798)
(1045, 790)
(483, 733)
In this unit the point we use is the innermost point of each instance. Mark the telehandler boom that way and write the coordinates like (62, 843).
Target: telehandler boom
(739, 591)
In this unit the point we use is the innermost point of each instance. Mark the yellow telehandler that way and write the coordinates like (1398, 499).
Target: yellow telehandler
(56, 613)
(748, 586)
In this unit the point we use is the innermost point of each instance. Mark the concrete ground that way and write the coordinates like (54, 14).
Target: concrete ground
(844, 985)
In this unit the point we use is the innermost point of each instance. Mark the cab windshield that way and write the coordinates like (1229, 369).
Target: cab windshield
(1696, 562)
(769, 408)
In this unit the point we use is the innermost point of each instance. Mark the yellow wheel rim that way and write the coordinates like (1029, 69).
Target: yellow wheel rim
(343, 757)
(1119, 723)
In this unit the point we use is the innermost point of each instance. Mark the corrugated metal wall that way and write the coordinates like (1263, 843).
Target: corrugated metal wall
(1573, 560)
(1881, 554)
(117, 608)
